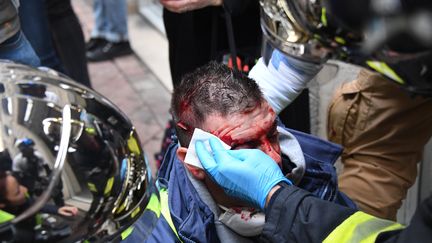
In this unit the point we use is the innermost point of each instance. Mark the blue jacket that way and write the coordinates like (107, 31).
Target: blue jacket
(194, 220)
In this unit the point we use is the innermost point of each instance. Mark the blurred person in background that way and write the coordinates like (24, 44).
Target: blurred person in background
(14, 199)
(109, 37)
(55, 33)
(13, 43)
(32, 171)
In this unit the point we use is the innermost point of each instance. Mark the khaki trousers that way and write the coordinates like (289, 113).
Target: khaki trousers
(383, 130)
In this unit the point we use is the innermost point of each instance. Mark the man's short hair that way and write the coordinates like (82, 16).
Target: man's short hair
(211, 89)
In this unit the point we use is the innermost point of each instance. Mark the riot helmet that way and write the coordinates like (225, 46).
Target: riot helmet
(303, 29)
(393, 38)
(83, 143)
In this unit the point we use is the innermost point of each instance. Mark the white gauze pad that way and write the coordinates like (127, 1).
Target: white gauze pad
(200, 135)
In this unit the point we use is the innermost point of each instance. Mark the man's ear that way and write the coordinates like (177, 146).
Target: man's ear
(181, 153)
(196, 172)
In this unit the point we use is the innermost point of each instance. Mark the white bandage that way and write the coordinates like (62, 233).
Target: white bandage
(283, 79)
(200, 135)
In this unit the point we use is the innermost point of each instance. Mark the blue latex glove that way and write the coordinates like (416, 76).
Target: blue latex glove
(248, 174)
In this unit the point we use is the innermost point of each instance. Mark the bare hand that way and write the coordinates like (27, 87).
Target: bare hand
(181, 6)
(68, 211)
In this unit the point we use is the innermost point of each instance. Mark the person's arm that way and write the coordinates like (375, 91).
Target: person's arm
(182, 6)
(295, 215)
(49, 209)
(67, 211)
(292, 214)
(283, 78)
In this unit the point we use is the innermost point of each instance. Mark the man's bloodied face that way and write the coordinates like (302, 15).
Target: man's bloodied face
(253, 129)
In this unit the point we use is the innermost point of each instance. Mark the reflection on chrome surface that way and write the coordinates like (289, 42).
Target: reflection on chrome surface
(72, 157)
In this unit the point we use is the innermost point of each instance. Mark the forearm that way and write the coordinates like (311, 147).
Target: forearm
(295, 215)
(283, 79)
(49, 209)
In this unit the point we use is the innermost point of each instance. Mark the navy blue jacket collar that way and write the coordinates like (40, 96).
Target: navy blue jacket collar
(192, 218)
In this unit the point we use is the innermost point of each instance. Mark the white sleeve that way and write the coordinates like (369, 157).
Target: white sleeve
(283, 79)
(18, 162)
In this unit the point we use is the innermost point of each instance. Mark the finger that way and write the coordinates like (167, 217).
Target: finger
(175, 5)
(219, 152)
(215, 144)
(206, 159)
(243, 154)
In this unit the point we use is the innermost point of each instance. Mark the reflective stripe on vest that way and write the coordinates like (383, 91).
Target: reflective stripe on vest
(153, 205)
(108, 186)
(361, 227)
(127, 232)
(324, 16)
(383, 68)
(133, 146)
(5, 216)
(163, 193)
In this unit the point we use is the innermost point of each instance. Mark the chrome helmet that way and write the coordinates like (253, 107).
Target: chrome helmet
(67, 145)
(393, 38)
(303, 29)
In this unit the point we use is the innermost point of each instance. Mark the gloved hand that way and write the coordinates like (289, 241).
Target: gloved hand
(181, 6)
(248, 174)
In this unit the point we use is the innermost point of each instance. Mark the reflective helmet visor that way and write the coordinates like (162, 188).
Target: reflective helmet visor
(85, 154)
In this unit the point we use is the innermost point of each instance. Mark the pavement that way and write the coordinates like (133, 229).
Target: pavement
(130, 83)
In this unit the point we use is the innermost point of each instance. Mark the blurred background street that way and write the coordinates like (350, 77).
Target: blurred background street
(131, 83)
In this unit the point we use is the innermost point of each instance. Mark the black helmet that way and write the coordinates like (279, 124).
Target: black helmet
(90, 157)
(393, 39)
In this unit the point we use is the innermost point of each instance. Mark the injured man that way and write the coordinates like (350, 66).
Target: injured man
(230, 106)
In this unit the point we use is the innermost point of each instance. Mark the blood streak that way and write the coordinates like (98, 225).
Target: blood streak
(227, 139)
(184, 105)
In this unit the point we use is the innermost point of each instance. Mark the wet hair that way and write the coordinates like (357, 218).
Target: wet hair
(211, 89)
